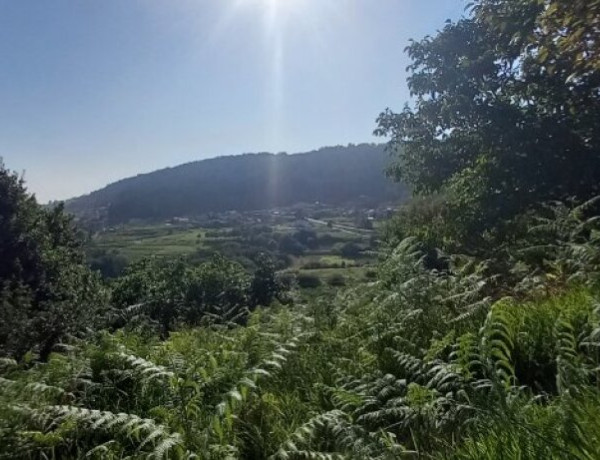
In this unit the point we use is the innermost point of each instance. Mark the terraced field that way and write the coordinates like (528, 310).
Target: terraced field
(333, 251)
(135, 242)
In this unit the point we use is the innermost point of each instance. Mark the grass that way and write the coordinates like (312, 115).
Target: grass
(324, 261)
(138, 241)
(135, 243)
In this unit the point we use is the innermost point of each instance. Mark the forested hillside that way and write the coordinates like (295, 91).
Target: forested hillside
(477, 337)
(332, 175)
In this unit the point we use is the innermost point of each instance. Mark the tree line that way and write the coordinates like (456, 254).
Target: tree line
(334, 175)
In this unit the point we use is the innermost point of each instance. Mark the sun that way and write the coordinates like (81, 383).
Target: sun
(279, 20)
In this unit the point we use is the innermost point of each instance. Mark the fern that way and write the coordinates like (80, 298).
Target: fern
(146, 370)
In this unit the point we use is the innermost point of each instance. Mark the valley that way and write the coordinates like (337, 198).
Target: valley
(435, 296)
(320, 247)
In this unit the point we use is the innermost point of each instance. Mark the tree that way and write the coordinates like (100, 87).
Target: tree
(219, 289)
(289, 245)
(175, 292)
(307, 237)
(156, 288)
(46, 290)
(334, 175)
(507, 106)
(349, 250)
(569, 29)
(265, 286)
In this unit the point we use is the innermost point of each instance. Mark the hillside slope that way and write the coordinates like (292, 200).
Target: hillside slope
(333, 175)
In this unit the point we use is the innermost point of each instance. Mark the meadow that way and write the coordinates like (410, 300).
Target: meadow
(335, 251)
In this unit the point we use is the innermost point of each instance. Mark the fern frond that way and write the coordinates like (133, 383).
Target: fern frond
(147, 431)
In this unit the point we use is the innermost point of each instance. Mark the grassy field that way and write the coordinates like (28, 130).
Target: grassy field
(135, 243)
(132, 243)
(351, 275)
(317, 261)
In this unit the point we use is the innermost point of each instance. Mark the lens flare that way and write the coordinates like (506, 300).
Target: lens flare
(278, 19)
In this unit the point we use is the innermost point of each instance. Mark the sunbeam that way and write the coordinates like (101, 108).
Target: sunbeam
(277, 18)
(274, 92)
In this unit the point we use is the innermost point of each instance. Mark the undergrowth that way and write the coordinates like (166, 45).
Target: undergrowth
(421, 363)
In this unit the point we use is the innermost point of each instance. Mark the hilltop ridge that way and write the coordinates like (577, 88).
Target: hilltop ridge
(333, 175)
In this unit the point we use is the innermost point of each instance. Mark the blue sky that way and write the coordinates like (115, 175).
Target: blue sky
(97, 90)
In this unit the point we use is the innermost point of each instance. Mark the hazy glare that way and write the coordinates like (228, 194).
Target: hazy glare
(91, 92)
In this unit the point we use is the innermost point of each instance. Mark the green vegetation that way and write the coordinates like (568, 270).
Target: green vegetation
(300, 247)
(505, 119)
(475, 336)
(137, 242)
(420, 363)
(243, 183)
(46, 290)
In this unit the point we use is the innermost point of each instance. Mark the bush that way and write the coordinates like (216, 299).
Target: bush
(336, 280)
(328, 239)
(314, 265)
(423, 217)
(287, 280)
(371, 274)
(265, 286)
(308, 281)
(289, 245)
(307, 238)
(283, 261)
(110, 265)
(174, 292)
(349, 250)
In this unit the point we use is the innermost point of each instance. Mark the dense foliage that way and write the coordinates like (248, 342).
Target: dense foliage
(245, 182)
(506, 113)
(284, 237)
(419, 363)
(482, 354)
(46, 289)
(175, 293)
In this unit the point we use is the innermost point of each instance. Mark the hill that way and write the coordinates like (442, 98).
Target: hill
(332, 175)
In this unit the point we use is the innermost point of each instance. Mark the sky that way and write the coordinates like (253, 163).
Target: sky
(92, 91)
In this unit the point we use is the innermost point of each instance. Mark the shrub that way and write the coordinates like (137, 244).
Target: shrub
(314, 265)
(289, 245)
(336, 280)
(265, 286)
(308, 281)
(349, 250)
(287, 280)
(371, 274)
(423, 217)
